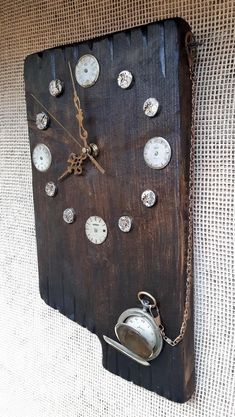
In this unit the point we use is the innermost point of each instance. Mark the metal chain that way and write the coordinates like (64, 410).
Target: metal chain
(190, 45)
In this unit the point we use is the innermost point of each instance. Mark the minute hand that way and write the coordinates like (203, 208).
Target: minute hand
(79, 116)
(93, 160)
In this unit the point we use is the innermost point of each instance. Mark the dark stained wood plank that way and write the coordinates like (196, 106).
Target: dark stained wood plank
(94, 284)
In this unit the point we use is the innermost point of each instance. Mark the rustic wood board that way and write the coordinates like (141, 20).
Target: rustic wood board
(93, 284)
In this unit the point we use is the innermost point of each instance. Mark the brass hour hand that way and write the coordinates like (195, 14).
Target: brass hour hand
(92, 159)
(65, 174)
(79, 116)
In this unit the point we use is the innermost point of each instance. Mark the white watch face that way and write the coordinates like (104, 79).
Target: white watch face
(96, 230)
(145, 328)
(42, 157)
(157, 153)
(87, 70)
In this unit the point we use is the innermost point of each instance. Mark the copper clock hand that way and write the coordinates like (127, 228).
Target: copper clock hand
(97, 165)
(93, 160)
(66, 173)
(82, 131)
(75, 165)
(57, 121)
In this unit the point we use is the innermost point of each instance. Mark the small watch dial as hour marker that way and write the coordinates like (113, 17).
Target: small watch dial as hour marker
(50, 189)
(69, 215)
(151, 107)
(96, 230)
(125, 223)
(56, 88)
(157, 153)
(42, 121)
(87, 70)
(125, 79)
(148, 198)
(42, 157)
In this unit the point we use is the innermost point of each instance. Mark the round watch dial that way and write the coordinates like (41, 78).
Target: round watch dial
(87, 70)
(144, 327)
(96, 230)
(125, 223)
(157, 153)
(42, 157)
(148, 198)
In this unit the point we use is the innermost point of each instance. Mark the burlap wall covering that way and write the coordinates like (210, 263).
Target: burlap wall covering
(49, 366)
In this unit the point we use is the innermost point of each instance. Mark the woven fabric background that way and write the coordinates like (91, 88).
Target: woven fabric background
(49, 366)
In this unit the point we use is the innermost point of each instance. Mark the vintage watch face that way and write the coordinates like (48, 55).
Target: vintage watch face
(148, 198)
(125, 223)
(133, 341)
(96, 230)
(87, 70)
(144, 327)
(157, 153)
(42, 157)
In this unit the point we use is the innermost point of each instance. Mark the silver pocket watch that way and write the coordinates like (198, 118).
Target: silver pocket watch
(138, 331)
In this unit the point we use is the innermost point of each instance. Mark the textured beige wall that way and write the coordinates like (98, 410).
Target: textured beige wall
(50, 366)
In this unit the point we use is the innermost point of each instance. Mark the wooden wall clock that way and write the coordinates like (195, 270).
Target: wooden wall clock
(109, 127)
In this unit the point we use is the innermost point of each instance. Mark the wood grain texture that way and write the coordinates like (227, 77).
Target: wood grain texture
(93, 284)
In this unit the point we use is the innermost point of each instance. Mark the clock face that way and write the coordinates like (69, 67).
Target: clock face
(42, 157)
(144, 327)
(87, 70)
(96, 230)
(157, 153)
